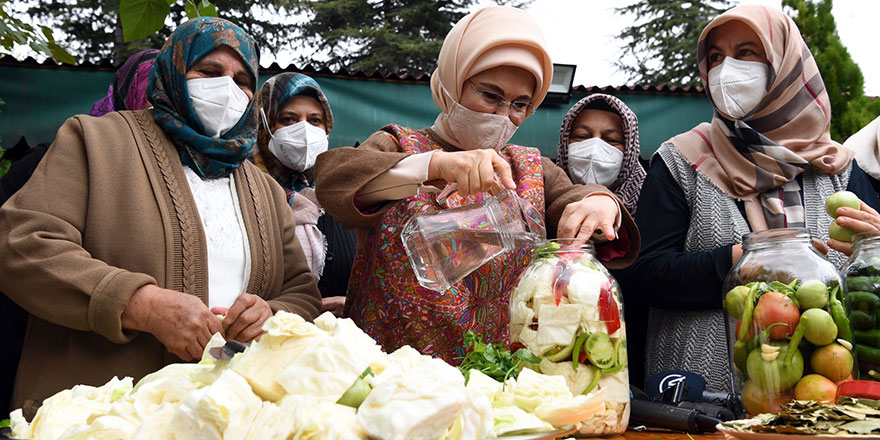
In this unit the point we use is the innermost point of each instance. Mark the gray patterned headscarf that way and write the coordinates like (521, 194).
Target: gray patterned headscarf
(629, 181)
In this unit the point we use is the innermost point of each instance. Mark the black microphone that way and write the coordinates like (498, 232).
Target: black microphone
(664, 415)
(680, 387)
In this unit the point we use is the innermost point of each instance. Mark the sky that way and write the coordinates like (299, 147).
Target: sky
(583, 32)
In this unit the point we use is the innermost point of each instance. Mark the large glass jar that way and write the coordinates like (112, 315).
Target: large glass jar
(567, 309)
(788, 303)
(862, 277)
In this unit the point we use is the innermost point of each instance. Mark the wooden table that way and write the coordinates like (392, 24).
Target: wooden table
(654, 434)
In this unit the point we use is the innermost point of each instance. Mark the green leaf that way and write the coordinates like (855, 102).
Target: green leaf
(60, 55)
(5, 423)
(191, 10)
(206, 9)
(142, 18)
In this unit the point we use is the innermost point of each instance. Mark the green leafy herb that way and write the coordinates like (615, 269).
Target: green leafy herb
(493, 360)
(5, 423)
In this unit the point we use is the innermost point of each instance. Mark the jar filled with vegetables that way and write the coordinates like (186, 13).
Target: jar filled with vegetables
(862, 278)
(791, 337)
(567, 309)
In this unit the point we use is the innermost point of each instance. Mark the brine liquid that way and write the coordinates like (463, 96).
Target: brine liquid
(441, 260)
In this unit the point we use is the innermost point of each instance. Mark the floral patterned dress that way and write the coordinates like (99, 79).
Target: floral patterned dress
(384, 296)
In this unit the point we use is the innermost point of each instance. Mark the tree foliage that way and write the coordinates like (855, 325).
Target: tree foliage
(13, 32)
(850, 108)
(390, 35)
(661, 48)
(95, 31)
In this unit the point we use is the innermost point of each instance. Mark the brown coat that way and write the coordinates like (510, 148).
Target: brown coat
(107, 211)
(342, 172)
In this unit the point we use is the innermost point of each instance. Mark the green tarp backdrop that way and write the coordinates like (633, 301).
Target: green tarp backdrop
(39, 98)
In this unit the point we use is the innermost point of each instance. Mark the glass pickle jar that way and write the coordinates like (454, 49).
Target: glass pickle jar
(862, 277)
(789, 305)
(567, 309)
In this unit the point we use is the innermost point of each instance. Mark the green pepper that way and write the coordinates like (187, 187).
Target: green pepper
(620, 353)
(563, 353)
(613, 370)
(747, 314)
(868, 337)
(597, 374)
(874, 374)
(864, 301)
(796, 339)
(576, 352)
(838, 314)
(868, 284)
(861, 320)
(867, 354)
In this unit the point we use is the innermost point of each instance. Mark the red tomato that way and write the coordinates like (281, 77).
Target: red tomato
(775, 307)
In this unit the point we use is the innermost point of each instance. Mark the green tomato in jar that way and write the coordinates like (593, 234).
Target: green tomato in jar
(774, 375)
(812, 294)
(820, 328)
(735, 301)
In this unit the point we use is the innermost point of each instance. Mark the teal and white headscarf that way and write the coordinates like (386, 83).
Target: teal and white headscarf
(167, 91)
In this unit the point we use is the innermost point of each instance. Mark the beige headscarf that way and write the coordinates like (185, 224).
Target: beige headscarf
(789, 131)
(866, 144)
(491, 37)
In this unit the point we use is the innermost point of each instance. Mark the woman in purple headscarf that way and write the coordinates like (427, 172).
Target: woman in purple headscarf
(128, 91)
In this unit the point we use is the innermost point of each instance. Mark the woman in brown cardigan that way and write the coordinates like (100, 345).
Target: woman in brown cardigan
(138, 227)
(492, 71)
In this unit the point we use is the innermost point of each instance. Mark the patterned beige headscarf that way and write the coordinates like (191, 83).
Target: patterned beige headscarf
(491, 37)
(756, 158)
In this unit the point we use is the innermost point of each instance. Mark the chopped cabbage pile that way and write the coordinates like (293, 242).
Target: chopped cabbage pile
(289, 384)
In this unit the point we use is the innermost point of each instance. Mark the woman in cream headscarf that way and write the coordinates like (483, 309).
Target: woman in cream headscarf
(765, 161)
(492, 72)
(866, 144)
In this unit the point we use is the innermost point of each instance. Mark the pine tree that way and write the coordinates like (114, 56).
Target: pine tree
(661, 48)
(850, 108)
(389, 35)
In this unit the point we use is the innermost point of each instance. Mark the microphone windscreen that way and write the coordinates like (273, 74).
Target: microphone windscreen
(660, 382)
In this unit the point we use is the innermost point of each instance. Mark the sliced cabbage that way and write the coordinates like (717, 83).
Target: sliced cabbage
(572, 410)
(420, 403)
(287, 336)
(513, 420)
(483, 384)
(531, 389)
(224, 409)
(558, 324)
(69, 409)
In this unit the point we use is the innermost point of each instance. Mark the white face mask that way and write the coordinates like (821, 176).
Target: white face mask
(219, 103)
(737, 86)
(478, 130)
(296, 146)
(594, 161)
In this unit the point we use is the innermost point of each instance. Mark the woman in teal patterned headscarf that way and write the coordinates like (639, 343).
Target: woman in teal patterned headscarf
(170, 96)
(157, 224)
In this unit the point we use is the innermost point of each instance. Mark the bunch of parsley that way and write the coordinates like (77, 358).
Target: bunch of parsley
(493, 360)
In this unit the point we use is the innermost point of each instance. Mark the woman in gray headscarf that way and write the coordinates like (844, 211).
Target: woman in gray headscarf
(599, 143)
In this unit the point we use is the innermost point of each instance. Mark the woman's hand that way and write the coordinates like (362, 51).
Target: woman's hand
(333, 304)
(244, 320)
(474, 171)
(856, 220)
(594, 216)
(181, 322)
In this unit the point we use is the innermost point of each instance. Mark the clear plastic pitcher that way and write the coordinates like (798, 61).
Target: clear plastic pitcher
(445, 246)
